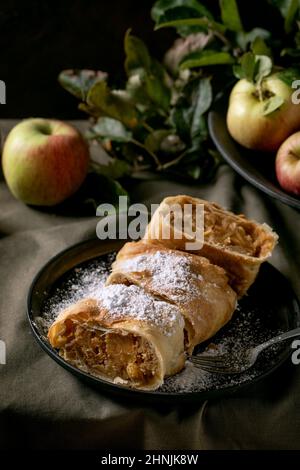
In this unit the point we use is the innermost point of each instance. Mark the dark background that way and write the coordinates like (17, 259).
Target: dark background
(39, 38)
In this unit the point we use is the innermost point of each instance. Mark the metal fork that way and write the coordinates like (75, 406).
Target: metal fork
(233, 364)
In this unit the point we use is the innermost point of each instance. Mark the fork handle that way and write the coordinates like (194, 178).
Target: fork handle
(279, 338)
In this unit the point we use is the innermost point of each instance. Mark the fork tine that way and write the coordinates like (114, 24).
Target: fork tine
(221, 366)
(214, 369)
(209, 359)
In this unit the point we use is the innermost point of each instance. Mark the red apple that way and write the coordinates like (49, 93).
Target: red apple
(288, 164)
(246, 120)
(44, 161)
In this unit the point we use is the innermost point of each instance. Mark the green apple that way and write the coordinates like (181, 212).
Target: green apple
(248, 122)
(44, 161)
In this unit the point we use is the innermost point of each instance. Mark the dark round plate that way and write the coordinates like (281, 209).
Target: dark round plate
(270, 307)
(257, 168)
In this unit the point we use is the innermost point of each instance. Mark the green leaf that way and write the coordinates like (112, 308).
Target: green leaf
(238, 72)
(137, 54)
(290, 52)
(112, 103)
(162, 6)
(253, 67)
(263, 67)
(188, 115)
(112, 129)
(202, 101)
(78, 82)
(243, 38)
(230, 15)
(259, 47)
(115, 169)
(181, 119)
(248, 66)
(184, 16)
(155, 87)
(272, 104)
(159, 8)
(206, 57)
(290, 15)
(88, 109)
(150, 73)
(289, 75)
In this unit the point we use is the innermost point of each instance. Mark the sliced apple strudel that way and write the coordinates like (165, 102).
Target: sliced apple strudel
(198, 288)
(237, 244)
(163, 298)
(124, 335)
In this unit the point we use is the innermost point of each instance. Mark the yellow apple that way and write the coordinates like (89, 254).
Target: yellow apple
(246, 119)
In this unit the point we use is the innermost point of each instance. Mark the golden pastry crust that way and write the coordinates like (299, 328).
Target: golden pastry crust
(135, 351)
(198, 288)
(237, 244)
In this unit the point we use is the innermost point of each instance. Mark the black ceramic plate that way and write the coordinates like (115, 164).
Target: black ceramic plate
(270, 307)
(257, 168)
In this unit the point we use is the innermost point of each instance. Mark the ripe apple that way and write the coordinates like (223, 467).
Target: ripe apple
(246, 121)
(44, 161)
(288, 164)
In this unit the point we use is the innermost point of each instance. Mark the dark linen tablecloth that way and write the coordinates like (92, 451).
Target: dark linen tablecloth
(42, 406)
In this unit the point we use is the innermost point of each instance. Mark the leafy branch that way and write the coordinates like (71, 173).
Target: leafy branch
(141, 123)
(158, 120)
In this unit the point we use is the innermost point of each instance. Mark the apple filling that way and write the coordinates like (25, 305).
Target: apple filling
(234, 233)
(115, 355)
(230, 233)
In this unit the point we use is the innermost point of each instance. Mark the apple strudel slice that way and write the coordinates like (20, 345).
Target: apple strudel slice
(124, 336)
(198, 288)
(237, 244)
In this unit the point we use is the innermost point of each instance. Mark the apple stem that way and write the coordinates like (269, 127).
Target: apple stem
(259, 89)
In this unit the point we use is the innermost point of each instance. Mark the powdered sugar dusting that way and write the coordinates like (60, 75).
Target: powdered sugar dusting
(125, 302)
(88, 281)
(84, 281)
(169, 271)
